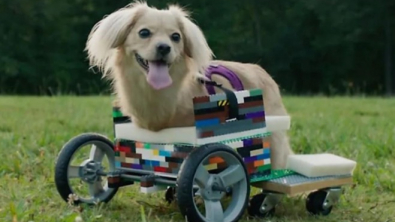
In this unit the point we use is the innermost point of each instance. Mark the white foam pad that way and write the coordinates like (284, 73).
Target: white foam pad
(316, 165)
(184, 134)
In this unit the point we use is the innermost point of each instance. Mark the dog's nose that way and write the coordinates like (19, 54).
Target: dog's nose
(163, 49)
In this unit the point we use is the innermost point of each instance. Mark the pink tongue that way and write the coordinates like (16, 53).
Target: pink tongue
(158, 75)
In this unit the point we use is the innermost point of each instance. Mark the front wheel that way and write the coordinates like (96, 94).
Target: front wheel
(86, 179)
(204, 181)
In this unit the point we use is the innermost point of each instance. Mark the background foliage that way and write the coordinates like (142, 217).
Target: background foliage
(308, 46)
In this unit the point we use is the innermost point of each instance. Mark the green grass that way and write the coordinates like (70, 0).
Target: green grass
(32, 131)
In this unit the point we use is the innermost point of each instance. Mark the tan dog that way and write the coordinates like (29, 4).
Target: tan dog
(153, 58)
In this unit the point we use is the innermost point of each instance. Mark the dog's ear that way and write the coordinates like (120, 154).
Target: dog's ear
(111, 32)
(195, 44)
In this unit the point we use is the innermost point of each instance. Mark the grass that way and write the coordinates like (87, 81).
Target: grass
(32, 131)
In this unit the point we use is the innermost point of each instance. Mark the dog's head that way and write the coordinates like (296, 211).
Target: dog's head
(154, 39)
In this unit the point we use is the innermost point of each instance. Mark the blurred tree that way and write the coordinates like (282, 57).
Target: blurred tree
(331, 47)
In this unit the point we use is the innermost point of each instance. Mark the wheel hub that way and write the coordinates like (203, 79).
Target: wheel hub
(91, 171)
(214, 189)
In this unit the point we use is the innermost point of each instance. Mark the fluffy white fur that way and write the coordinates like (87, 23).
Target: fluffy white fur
(114, 42)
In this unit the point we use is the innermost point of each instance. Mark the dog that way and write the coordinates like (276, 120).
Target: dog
(153, 58)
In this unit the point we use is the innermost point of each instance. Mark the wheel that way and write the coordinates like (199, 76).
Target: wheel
(170, 194)
(260, 206)
(212, 188)
(316, 203)
(70, 178)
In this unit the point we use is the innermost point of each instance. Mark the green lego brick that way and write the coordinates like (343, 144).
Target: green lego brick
(255, 92)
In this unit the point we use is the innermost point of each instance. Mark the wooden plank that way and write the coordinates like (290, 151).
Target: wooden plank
(302, 187)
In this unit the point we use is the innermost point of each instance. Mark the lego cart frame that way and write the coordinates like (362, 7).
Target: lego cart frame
(223, 155)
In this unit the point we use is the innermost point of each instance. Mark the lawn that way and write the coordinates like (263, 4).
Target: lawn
(32, 131)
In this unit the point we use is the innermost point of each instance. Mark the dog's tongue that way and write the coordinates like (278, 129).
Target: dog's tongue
(158, 75)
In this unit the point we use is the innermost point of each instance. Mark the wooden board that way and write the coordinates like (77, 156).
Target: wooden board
(294, 184)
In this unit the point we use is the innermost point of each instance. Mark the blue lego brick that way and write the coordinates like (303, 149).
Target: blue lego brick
(207, 122)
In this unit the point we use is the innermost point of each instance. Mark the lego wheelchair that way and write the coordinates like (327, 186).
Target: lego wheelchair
(208, 168)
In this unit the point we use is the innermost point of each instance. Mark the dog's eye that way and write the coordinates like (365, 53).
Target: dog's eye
(144, 33)
(175, 37)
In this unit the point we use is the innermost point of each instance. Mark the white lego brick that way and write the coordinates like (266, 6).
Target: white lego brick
(151, 189)
(278, 123)
(256, 152)
(188, 134)
(156, 158)
(316, 165)
(169, 147)
(240, 95)
(144, 152)
(132, 160)
(235, 144)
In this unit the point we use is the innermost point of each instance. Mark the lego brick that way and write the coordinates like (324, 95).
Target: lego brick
(206, 134)
(123, 119)
(150, 189)
(169, 147)
(263, 156)
(205, 105)
(133, 155)
(216, 159)
(131, 160)
(211, 166)
(251, 104)
(147, 181)
(254, 109)
(253, 98)
(201, 99)
(210, 115)
(164, 164)
(258, 163)
(254, 115)
(113, 179)
(215, 109)
(241, 95)
(158, 146)
(183, 148)
(207, 122)
(235, 144)
(217, 97)
(250, 159)
(235, 129)
(147, 167)
(259, 120)
(174, 159)
(255, 92)
(179, 155)
(231, 136)
(256, 152)
(165, 153)
(173, 165)
(214, 127)
(264, 167)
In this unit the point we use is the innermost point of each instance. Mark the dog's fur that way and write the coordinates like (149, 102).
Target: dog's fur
(114, 41)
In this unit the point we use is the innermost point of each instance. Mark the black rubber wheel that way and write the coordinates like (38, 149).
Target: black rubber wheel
(188, 177)
(170, 194)
(254, 208)
(315, 203)
(63, 163)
